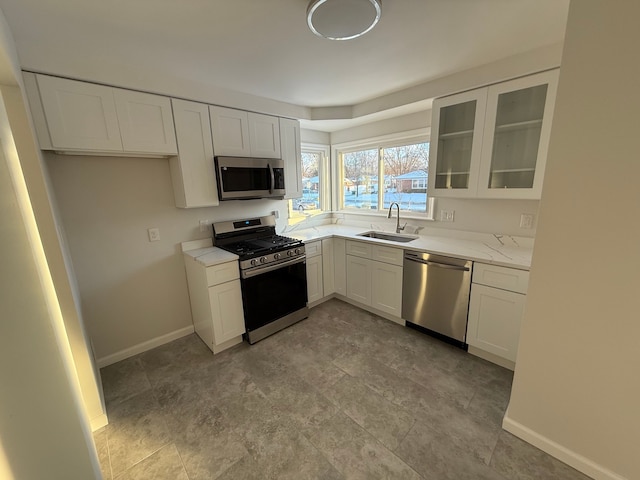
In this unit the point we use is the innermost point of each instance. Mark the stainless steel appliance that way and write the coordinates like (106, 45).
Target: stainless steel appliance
(273, 274)
(241, 178)
(435, 294)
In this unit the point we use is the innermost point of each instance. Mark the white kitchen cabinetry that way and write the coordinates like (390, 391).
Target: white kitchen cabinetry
(457, 127)
(292, 157)
(496, 309)
(83, 117)
(340, 265)
(237, 133)
(315, 290)
(216, 303)
(146, 122)
(328, 267)
(492, 142)
(192, 171)
(374, 277)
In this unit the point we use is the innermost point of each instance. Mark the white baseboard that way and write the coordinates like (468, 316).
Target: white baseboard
(98, 422)
(577, 461)
(144, 346)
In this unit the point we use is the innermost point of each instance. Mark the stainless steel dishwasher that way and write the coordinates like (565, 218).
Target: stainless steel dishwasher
(435, 294)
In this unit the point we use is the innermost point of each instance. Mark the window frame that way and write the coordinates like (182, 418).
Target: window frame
(324, 180)
(379, 142)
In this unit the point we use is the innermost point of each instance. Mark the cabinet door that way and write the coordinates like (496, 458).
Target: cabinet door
(516, 136)
(230, 130)
(292, 157)
(192, 171)
(386, 288)
(456, 130)
(328, 267)
(264, 136)
(80, 116)
(340, 265)
(226, 311)
(314, 279)
(494, 320)
(146, 122)
(359, 279)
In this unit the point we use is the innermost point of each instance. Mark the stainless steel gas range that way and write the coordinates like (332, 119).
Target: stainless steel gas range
(273, 274)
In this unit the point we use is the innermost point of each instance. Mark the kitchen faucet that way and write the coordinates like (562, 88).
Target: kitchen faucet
(398, 227)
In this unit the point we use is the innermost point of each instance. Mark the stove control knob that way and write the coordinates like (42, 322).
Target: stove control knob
(276, 256)
(298, 252)
(254, 262)
(289, 253)
(263, 259)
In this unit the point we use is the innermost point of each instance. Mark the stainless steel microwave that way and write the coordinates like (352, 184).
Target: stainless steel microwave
(241, 178)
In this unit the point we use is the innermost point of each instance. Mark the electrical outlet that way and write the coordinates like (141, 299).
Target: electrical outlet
(154, 234)
(526, 220)
(205, 225)
(447, 215)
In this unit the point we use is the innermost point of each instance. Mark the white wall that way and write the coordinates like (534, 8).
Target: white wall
(576, 390)
(132, 290)
(44, 432)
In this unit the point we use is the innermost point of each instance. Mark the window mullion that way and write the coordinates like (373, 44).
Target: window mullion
(380, 178)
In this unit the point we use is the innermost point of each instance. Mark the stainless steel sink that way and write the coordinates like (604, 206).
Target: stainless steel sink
(392, 237)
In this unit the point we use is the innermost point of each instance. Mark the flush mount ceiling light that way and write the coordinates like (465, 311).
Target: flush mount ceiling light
(342, 19)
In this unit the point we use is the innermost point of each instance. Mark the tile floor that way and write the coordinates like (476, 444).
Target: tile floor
(341, 395)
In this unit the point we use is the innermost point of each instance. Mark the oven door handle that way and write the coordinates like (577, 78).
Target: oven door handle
(252, 272)
(272, 178)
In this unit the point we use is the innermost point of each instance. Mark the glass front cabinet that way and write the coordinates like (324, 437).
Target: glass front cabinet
(492, 142)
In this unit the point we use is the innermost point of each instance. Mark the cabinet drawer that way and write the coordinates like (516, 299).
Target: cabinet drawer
(391, 255)
(501, 277)
(313, 249)
(359, 249)
(224, 272)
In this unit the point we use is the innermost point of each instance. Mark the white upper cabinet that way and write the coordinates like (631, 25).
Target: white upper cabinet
(456, 130)
(264, 135)
(192, 171)
(292, 157)
(84, 117)
(230, 130)
(237, 133)
(516, 136)
(79, 115)
(492, 142)
(146, 122)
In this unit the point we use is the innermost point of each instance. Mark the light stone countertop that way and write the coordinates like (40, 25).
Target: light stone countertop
(503, 250)
(211, 256)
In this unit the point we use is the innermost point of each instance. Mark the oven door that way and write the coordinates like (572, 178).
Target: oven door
(273, 292)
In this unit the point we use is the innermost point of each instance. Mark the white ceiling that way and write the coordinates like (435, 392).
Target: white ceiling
(263, 48)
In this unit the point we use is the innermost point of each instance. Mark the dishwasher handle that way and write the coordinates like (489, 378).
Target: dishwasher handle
(431, 263)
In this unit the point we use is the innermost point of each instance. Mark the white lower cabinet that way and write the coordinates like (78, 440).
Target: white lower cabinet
(216, 303)
(315, 290)
(496, 308)
(340, 265)
(359, 279)
(386, 288)
(374, 277)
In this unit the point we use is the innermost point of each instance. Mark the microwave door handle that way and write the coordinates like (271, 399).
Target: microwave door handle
(272, 178)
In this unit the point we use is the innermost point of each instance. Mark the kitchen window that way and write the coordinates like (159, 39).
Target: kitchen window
(314, 183)
(374, 175)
